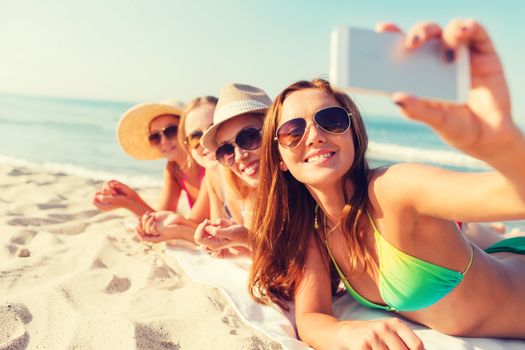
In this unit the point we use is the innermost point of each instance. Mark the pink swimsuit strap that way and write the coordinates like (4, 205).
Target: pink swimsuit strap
(202, 172)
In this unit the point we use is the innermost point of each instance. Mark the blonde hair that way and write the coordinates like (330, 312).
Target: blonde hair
(181, 135)
(239, 188)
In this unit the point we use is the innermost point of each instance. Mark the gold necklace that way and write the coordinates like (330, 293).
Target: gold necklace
(316, 223)
(325, 224)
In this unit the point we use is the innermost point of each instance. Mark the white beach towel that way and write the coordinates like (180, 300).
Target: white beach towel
(231, 276)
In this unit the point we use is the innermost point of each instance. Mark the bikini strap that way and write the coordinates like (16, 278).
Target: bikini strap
(183, 185)
(471, 260)
(372, 222)
(202, 172)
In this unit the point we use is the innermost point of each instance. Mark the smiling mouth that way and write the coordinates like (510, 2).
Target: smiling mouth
(251, 169)
(169, 150)
(319, 157)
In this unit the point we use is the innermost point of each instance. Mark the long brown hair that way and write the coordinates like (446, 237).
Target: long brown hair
(284, 209)
(176, 171)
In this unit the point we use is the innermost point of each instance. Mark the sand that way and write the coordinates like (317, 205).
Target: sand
(72, 277)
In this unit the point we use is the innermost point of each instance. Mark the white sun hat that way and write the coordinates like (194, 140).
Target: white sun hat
(133, 127)
(234, 100)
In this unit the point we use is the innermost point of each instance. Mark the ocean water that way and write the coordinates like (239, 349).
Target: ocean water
(78, 137)
(73, 136)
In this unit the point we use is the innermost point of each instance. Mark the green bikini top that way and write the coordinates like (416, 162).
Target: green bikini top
(406, 283)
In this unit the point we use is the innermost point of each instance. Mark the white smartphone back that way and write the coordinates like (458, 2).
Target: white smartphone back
(363, 60)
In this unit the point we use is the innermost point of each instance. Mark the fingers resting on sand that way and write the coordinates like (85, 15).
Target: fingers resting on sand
(112, 195)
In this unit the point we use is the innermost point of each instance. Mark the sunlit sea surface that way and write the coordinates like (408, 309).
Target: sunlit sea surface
(78, 137)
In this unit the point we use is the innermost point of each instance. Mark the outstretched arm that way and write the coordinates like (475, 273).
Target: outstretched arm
(483, 127)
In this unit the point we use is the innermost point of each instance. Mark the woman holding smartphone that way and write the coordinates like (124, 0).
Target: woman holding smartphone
(389, 234)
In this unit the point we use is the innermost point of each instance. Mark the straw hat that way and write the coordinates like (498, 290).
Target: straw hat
(234, 100)
(133, 127)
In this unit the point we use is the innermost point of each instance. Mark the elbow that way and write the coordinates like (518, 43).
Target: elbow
(319, 330)
(301, 323)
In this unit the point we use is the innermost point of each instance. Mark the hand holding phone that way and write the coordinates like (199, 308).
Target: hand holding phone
(363, 60)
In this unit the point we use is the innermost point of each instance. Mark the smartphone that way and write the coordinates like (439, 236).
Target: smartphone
(362, 60)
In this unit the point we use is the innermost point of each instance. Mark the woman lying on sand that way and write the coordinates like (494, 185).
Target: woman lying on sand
(164, 224)
(149, 131)
(389, 234)
(482, 234)
(234, 139)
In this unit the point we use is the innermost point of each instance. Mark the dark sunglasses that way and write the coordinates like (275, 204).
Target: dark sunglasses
(247, 139)
(193, 140)
(335, 120)
(169, 132)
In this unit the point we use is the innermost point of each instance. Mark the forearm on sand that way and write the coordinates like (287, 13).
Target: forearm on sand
(184, 231)
(139, 207)
(319, 330)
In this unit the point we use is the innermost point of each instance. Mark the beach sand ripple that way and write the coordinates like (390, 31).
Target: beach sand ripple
(13, 318)
(73, 277)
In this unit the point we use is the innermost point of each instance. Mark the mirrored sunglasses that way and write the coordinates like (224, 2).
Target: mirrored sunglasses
(193, 140)
(334, 120)
(169, 132)
(247, 139)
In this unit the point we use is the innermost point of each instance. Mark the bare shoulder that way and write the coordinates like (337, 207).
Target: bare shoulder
(211, 180)
(397, 186)
(403, 175)
(170, 182)
(390, 177)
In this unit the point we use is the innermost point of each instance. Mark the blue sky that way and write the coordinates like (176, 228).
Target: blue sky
(151, 50)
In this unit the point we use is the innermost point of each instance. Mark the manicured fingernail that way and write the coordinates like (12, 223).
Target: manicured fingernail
(449, 55)
(400, 104)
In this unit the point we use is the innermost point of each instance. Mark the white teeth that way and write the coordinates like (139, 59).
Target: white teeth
(250, 170)
(318, 157)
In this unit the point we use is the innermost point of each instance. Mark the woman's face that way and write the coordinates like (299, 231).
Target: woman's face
(320, 158)
(198, 120)
(168, 146)
(245, 162)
